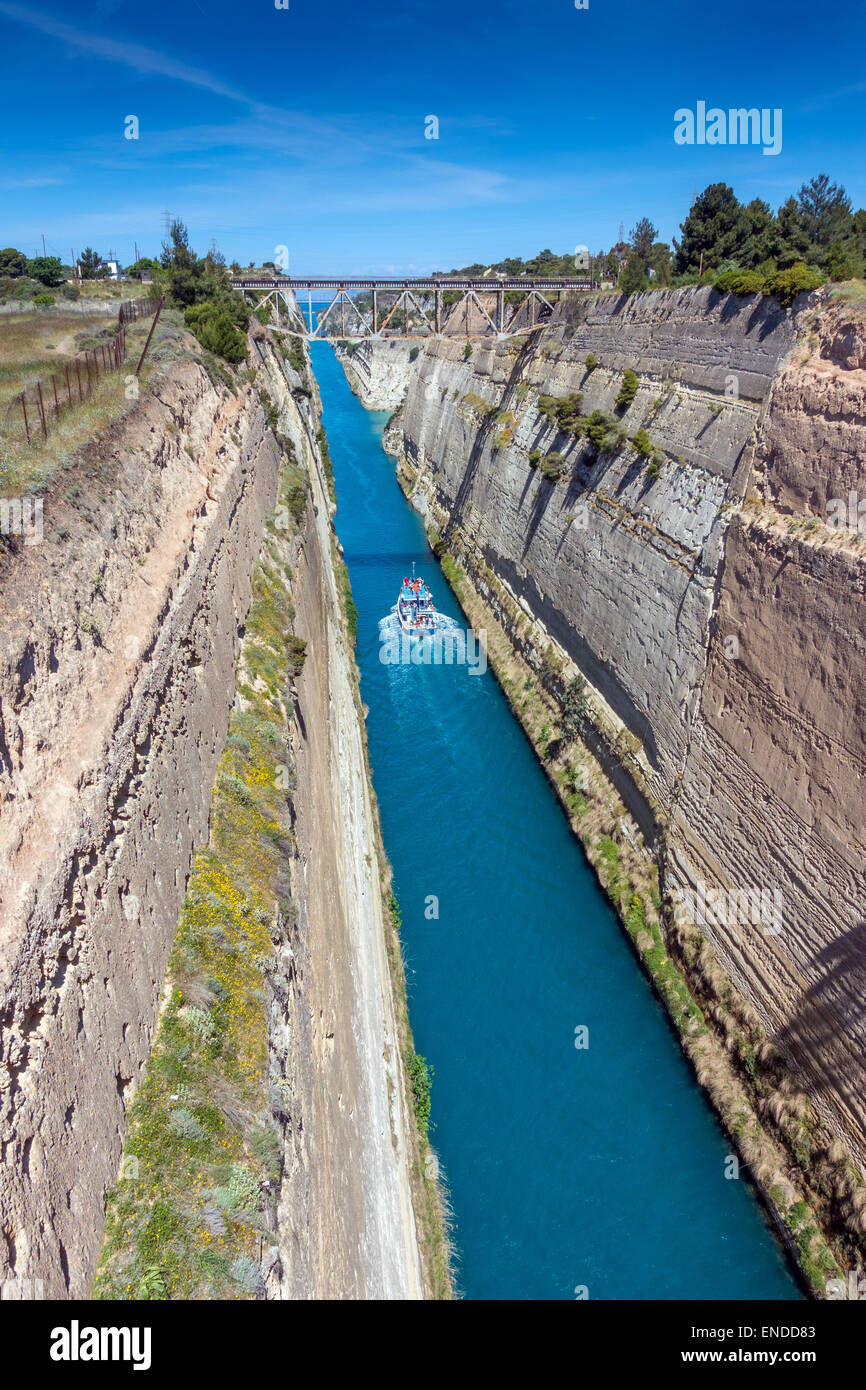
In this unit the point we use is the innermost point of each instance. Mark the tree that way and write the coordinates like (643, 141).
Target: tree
(12, 262)
(47, 269)
(91, 265)
(716, 226)
(762, 240)
(574, 709)
(642, 237)
(660, 263)
(793, 241)
(825, 211)
(633, 277)
(143, 263)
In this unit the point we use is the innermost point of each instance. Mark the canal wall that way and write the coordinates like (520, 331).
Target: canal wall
(713, 613)
(122, 633)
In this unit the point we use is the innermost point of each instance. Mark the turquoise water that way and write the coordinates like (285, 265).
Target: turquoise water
(600, 1167)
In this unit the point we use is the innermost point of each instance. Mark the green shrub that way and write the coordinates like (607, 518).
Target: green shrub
(642, 443)
(602, 432)
(785, 285)
(591, 362)
(296, 500)
(552, 465)
(740, 282)
(627, 391)
(564, 412)
(44, 299)
(348, 603)
(297, 649)
(574, 709)
(420, 1079)
(534, 458)
(212, 324)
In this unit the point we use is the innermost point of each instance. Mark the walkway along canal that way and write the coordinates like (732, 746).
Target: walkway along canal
(598, 1169)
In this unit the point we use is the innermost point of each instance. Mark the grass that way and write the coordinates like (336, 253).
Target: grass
(187, 1216)
(25, 356)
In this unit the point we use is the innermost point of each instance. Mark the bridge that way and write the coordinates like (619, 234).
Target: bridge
(411, 308)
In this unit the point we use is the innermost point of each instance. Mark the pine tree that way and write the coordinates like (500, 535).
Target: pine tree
(716, 225)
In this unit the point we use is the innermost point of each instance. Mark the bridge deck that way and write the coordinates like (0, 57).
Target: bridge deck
(354, 283)
(482, 306)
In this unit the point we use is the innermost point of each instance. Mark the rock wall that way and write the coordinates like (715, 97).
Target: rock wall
(117, 676)
(346, 1220)
(116, 679)
(378, 372)
(772, 788)
(745, 754)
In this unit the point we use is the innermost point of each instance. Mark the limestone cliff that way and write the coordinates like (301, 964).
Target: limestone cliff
(695, 584)
(118, 656)
(378, 372)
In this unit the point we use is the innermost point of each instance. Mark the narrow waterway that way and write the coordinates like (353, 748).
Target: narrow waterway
(600, 1168)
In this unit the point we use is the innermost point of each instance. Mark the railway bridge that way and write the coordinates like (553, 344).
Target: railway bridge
(462, 309)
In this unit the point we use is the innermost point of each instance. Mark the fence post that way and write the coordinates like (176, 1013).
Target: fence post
(41, 408)
(150, 334)
(87, 365)
(78, 374)
(56, 403)
(26, 422)
(68, 387)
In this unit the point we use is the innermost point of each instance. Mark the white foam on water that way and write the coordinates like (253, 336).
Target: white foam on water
(447, 644)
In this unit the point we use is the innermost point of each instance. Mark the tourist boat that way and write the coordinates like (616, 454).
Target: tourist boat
(415, 607)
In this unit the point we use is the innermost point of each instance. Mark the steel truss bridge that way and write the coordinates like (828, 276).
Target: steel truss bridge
(413, 308)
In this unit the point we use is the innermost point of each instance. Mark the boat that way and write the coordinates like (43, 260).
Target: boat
(416, 610)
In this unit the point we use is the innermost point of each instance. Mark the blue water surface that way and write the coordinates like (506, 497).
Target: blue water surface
(566, 1167)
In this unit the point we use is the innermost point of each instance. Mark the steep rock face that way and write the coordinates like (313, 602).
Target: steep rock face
(378, 372)
(750, 752)
(114, 700)
(346, 1222)
(619, 566)
(772, 790)
(115, 694)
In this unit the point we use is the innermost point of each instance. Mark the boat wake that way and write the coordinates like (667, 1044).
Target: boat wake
(450, 645)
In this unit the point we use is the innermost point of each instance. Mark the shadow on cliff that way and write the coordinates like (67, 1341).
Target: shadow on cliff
(830, 1021)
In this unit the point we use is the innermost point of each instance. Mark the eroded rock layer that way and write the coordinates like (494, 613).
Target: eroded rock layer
(701, 591)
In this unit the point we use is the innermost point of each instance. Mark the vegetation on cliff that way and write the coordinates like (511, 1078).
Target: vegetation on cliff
(202, 1161)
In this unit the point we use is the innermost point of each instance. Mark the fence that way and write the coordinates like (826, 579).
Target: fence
(132, 309)
(42, 402)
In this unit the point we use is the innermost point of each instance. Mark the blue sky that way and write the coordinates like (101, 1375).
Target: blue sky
(305, 127)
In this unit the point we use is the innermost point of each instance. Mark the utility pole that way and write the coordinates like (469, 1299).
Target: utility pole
(135, 244)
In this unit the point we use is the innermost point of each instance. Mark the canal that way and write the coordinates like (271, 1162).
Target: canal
(567, 1169)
